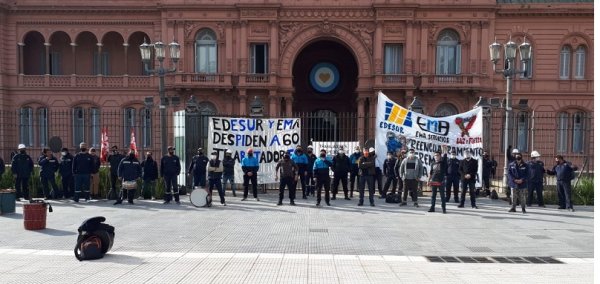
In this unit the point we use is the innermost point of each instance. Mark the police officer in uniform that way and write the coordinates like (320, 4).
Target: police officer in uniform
(48, 167)
(214, 168)
(536, 179)
(114, 159)
(170, 167)
(198, 168)
(22, 167)
(83, 165)
(129, 169)
(66, 173)
(321, 171)
(250, 167)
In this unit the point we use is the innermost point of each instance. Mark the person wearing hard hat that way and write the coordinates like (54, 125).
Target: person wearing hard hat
(22, 167)
(366, 166)
(518, 175)
(536, 179)
(228, 171)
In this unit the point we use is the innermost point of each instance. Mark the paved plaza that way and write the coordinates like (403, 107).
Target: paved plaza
(259, 242)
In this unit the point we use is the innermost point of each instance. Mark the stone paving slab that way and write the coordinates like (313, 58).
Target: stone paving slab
(259, 242)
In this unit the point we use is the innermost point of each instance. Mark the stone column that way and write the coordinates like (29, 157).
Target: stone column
(274, 50)
(21, 68)
(99, 58)
(243, 101)
(228, 47)
(273, 99)
(47, 45)
(289, 101)
(74, 54)
(244, 47)
(125, 47)
(361, 120)
(378, 46)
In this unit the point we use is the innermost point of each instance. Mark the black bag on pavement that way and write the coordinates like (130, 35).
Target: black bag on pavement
(95, 239)
(392, 198)
(494, 194)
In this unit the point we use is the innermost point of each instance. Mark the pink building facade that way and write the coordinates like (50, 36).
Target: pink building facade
(82, 59)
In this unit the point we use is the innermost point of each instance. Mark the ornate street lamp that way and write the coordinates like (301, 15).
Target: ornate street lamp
(160, 52)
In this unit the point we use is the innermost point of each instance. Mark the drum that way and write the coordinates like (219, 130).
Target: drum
(129, 184)
(200, 197)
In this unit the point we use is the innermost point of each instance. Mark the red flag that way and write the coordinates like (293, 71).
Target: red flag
(132, 144)
(104, 145)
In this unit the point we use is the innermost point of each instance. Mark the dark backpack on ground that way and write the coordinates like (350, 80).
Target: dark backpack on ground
(392, 198)
(494, 194)
(94, 240)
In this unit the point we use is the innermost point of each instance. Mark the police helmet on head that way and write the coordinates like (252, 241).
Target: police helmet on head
(21, 146)
(535, 154)
(371, 150)
(516, 151)
(229, 152)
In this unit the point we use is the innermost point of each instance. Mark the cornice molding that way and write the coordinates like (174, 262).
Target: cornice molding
(144, 23)
(83, 10)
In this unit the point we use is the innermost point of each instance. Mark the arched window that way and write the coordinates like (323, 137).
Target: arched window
(565, 62)
(562, 132)
(448, 53)
(95, 131)
(43, 126)
(206, 51)
(445, 109)
(146, 118)
(578, 132)
(580, 63)
(26, 126)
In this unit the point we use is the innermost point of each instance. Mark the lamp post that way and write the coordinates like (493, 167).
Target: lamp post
(509, 71)
(160, 51)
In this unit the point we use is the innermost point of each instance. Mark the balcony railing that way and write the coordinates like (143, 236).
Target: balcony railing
(85, 81)
(441, 82)
(402, 81)
(199, 80)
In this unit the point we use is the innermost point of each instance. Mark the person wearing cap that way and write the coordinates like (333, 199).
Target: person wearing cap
(390, 175)
(452, 174)
(82, 169)
(66, 173)
(366, 166)
(214, 168)
(354, 168)
(310, 177)
(510, 157)
(288, 171)
(95, 176)
(229, 171)
(341, 167)
(536, 179)
(301, 161)
(129, 170)
(48, 167)
(486, 172)
(564, 172)
(149, 176)
(518, 174)
(468, 175)
(197, 168)
(170, 167)
(411, 170)
(321, 170)
(22, 167)
(114, 159)
(250, 167)
(437, 174)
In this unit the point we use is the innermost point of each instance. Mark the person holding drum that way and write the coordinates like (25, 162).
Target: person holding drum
(250, 168)
(129, 171)
(288, 170)
(214, 168)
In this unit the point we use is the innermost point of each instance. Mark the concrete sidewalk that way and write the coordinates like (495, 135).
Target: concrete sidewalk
(259, 242)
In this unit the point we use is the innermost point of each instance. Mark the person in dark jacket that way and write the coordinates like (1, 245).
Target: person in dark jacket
(321, 171)
(170, 167)
(411, 171)
(301, 161)
(149, 175)
(468, 174)
(250, 167)
(83, 165)
(400, 156)
(229, 171)
(129, 170)
(518, 174)
(66, 173)
(341, 167)
(366, 166)
(288, 170)
(536, 179)
(214, 168)
(114, 159)
(22, 167)
(486, 171)
(310, 177)
(452, 175)
(95, 176)
(390, 175)
(564, 173)
(48, 167)
(354, 169)
(510, 157)
(437, 174)
(197, 168)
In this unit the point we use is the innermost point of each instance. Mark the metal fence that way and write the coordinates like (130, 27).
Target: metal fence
(567, 133)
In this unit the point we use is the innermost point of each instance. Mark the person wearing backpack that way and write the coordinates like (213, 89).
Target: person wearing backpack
(214, 168)
(437, 174)
(564, 173)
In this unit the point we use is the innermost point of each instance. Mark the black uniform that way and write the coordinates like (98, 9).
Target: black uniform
(149, 175)
(536, 182)
(354, 170)
(390, 174)
(198, 169)
(66, 173)
(169, 170)
(341, 168)
(114, 160)
(129, 170)
(452, 176)
(48, 166)
(22, 167)
(468, 166)
(83, 166)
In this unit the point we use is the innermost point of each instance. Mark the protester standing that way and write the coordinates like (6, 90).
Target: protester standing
(341, 167)
(411, 170)
(229, 171)
(83, 165)
(536, 179)
(197, 168)
(48, 167)
(321, 171)
(468, 174)
(250, 167)
(366, 167)
(310, 177)
(437, 175)
(518, 174)
(149, 175)
(452, 175)
(486, 171)
(564, 173)
(354, 169)
(390, 175)
(22, 167)
(66, 173)
(170, 167)
(287, 169)
(302, 162)
(95, 182)
(114, 159)
(214, 168)
(129, 170)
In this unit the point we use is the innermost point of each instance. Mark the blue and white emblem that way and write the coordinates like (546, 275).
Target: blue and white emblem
(324, 77)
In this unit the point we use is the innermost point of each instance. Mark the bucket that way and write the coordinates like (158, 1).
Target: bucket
(7, 201)
(34, 215)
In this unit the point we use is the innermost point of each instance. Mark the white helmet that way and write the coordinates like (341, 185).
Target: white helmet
(229, 151)
(535, 154)
(21, 146)
(371, 150)
(516, 151)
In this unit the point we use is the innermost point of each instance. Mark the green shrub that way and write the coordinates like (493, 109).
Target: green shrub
(7, 180)
(584, 192)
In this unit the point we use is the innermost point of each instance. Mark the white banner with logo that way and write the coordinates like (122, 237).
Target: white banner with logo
(270, 139)
(399, 128)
